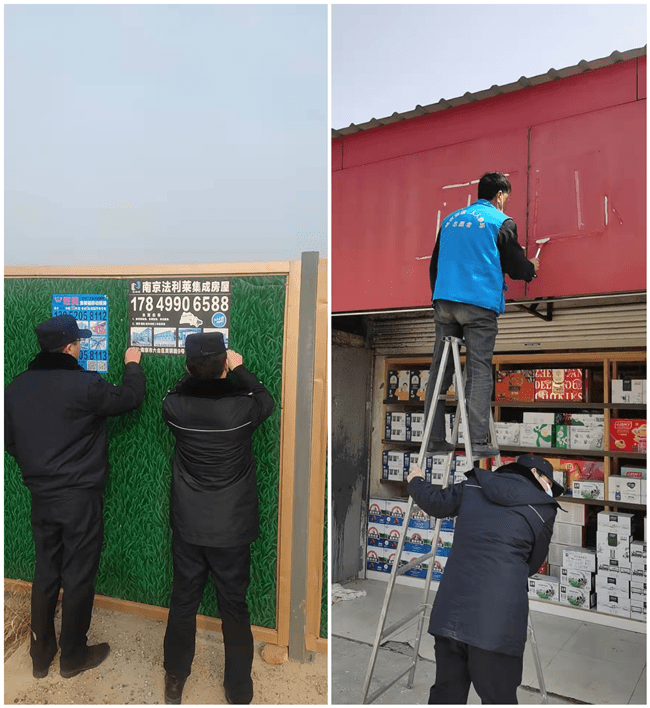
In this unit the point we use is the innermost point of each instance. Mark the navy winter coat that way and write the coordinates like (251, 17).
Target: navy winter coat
(55, 421)
(503, 529)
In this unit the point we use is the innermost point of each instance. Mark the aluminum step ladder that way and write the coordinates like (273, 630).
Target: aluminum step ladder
(383, 633)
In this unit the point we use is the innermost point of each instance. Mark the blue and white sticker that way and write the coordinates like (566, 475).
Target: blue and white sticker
(91, 312)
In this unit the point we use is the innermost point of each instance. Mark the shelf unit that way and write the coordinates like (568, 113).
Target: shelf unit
(611, 362)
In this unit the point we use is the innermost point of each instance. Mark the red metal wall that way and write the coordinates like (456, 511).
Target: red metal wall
(584, 139)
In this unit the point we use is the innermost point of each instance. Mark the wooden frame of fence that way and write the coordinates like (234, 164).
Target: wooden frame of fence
(292, 271)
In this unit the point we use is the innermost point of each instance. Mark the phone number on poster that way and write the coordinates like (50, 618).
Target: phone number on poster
(216, 303)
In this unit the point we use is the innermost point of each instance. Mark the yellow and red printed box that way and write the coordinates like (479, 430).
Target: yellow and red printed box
(628, 435)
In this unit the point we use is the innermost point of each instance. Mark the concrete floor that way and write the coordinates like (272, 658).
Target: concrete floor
(582, 662)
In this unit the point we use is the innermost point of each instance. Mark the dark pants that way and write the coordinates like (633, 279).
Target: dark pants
(230, 570)
(68, 532)
(478, 327)
(495, 676)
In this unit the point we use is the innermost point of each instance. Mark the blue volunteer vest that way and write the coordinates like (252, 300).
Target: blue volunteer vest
(469, 264)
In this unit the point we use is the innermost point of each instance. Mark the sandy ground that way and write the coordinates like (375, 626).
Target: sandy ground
(133, 673)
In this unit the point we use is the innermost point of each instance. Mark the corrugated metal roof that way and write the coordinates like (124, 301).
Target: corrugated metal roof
(524, 82)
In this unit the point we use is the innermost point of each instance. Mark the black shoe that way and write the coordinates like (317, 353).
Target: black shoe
(239, 699)
(439, 447)
(173, 689)
(480, 450)
(40, 673)
(94, 657)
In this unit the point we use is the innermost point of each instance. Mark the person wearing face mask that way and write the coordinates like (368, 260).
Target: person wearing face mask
(504, 523)
(475, 247)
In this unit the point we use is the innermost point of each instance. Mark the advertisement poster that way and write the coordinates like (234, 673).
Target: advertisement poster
(163, 311)
(91, 312)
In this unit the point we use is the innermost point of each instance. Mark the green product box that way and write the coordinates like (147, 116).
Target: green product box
(561, 436)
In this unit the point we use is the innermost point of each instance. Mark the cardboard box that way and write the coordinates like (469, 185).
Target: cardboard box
(610, 544)
(577, 578)
(619, 597)
(638, 472)
(582, 470)
(561, 436)
(637, 551)
(445, 541)
(395, 512)
(399, 381)
(627, 435)
(613, 581)
(638, 611)
(535, 435)
(614, 565)
(507, 434)
(376, 535)
(419, 519)
(394, 474)
(396, 426)
(544, 587)
(559, 385)
(586, 437)
(375, 560)
(597, 419)
(555, 551)
(392, 536)
(560, 477)
(577, 597)
(439, 563)
(625, 489)
(622, 521)
(575, 513)
(419, 382)
(417, 540)
(589, 490)
(568, 534)
(579, 559)
(376, 510)
(627, 390)
(554, 570)
(415, 427)
(638, 588)
(639, 571)
(515, 385)
(541, 418)
(611, 608)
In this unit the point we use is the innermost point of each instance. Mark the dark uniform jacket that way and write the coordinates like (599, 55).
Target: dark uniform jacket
(55, 421)
(214, 490)
(501, 537)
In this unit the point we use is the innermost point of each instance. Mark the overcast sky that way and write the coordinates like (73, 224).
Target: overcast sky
(388, 58)
(165, 133)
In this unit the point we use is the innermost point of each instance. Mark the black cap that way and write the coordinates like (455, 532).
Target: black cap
(204, 344)
(541, 466)
(59, 331)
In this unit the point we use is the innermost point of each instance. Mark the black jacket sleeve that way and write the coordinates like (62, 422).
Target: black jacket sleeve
(540, 546)
(433, 266)
(263, 404)
(513, 259)
(440, 503)
(106, 399)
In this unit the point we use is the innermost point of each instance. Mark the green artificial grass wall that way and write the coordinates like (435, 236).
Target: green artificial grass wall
(136, 560)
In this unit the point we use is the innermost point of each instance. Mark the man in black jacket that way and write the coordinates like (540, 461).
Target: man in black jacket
(213, 509)
(480, 615)
(55, 427)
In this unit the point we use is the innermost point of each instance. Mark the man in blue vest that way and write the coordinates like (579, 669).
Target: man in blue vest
(475, 247)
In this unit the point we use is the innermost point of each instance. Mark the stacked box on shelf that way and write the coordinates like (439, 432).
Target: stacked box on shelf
(414, 427)
(559, 384)
(395, 427)
(631, 490)
(419, 382)
(628, 435)
(515, 385)
(395, 465)
(628, 391)
(399, 382)
(638, 580)
(613, 539)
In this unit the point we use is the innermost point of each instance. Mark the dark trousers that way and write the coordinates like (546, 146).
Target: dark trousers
(478, 327)
(68, 532)
(495, 676)
(230, 571)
